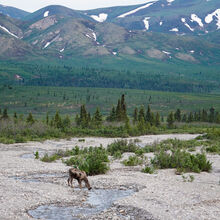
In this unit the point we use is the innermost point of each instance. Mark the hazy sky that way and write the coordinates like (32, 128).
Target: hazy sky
(33, 5)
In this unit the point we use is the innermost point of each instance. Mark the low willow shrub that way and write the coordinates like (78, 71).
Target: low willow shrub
(182, 160)
(148, 169)
(93, 160)
(214, 148)
(122, 146)
(133, 161)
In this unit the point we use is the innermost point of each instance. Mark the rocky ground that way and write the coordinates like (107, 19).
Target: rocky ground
(26, 183)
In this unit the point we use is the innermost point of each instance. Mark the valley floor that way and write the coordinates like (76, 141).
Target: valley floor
(27, 183)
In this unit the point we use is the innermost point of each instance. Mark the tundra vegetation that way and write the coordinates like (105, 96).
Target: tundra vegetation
(174, 154)
(118, 123)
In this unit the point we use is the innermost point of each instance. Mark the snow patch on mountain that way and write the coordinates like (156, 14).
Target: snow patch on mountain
(209, 18)
(6, 30)
(168, 53)
(174, 30)
(137, 9)
(61, 51)
(46, 13)
(100, 18)
(161, 23)
(47, 44)
(195, 18)
(187, 25)
(146, 23)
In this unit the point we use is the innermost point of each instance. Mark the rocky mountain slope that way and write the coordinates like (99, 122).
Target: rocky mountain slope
(154, 36)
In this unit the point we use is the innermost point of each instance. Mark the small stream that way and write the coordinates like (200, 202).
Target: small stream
(98, 200)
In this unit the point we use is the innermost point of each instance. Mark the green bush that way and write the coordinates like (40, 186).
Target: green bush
(49, 159)
(148, 169)
(213, 149)
(117, 155)
(133, 161)
(122, 146)
(182, 160)
(93, 161)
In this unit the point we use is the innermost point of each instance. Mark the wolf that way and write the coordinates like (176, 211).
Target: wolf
(80, 176)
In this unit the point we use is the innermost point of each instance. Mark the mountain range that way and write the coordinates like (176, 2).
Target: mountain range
(175, 38)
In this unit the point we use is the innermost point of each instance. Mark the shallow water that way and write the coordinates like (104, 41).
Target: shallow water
(98, 200)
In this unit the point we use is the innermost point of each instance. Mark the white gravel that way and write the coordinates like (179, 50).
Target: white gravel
(163, 195)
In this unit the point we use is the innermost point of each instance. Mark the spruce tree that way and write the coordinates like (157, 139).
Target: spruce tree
(177, 115)
(204, 115)
(211, 115)
(190, 117)
(170, 120)
(135, 116)
(66, 122)
(118, 111)
(5, 114)
(141, 113)
(148, 115)
(112, 116)
(30, 118)
(157, 120)
(58, 120)
(97, 118)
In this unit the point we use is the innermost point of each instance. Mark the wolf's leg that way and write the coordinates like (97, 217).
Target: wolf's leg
(87, 183)
(80, 183)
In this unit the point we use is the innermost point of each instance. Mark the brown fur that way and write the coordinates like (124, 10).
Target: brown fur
(79, 176)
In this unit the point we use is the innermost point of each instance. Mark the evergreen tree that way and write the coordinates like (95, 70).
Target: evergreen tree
(141, 125)
(148, 115)
(30, 118)
(118, 111)
(184, 118)
(141, 113)
(58, 120)
(15, 116)
(170, 120)
(123, 108)
(77, 120)
(211, 115)
(135, 116)
(157, 120)
(97, 118)
(204, 115)
(177, 115)
(47, 119)
(84, 117)
(190, 117)
(112, 116)
(66, 122)
(5, 114)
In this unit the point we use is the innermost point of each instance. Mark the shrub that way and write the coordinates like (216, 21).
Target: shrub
(133, 161)
(36, 154)
(49, 159)
(117, 155)
(148, 169)
(183, 161)
(93, 161)
(121, 146)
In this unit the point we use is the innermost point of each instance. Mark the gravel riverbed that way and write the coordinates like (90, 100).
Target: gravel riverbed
(26, 184)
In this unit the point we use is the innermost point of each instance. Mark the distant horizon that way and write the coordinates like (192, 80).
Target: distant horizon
(82, 5)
